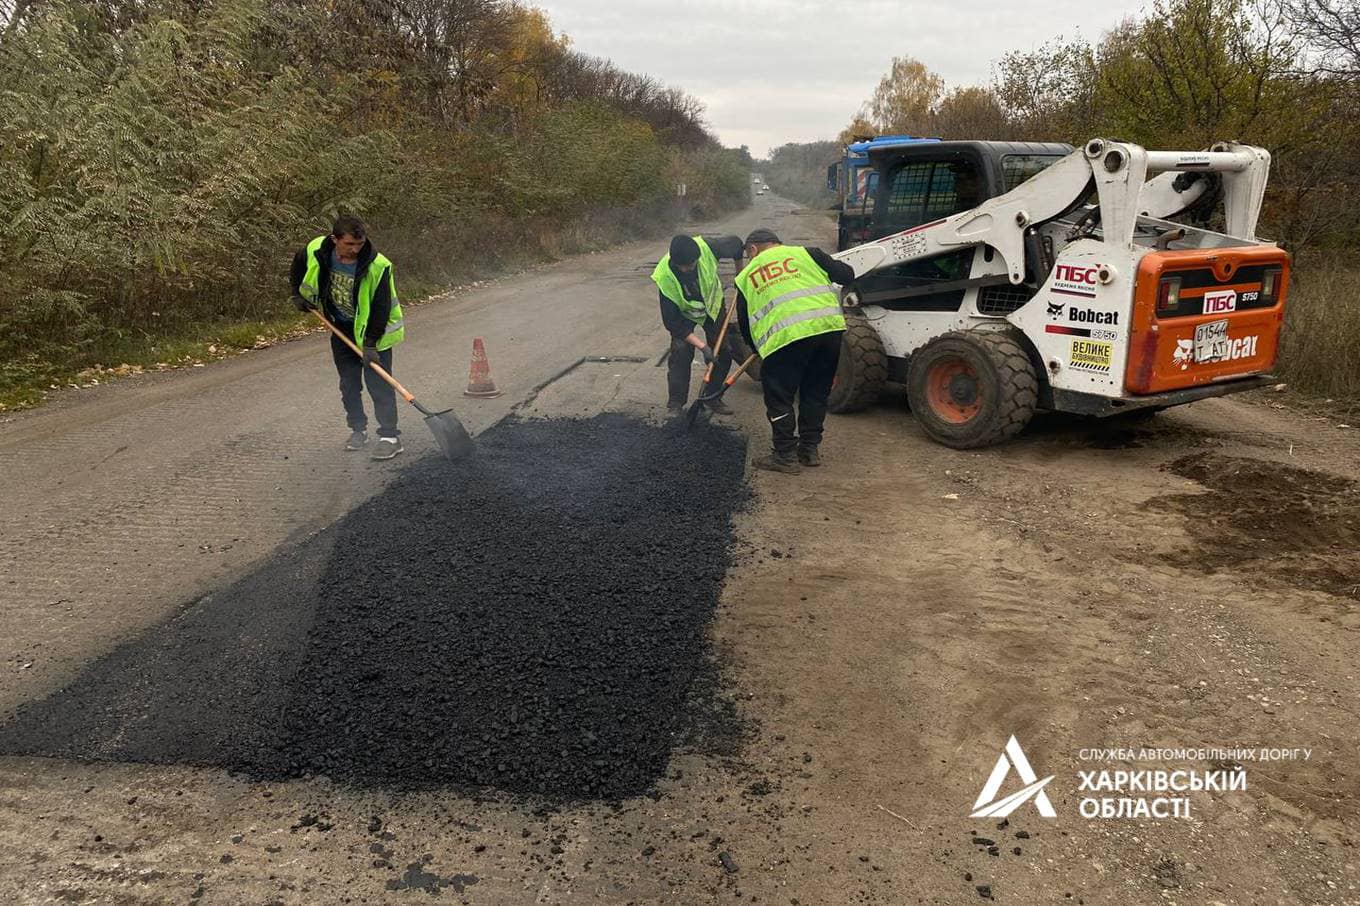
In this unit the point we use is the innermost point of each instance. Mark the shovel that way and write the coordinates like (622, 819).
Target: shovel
(449, 434)
(717, 394)
(717, 350)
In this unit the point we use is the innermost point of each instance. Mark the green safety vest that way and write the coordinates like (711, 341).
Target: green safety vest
(311, 291)
(788, 297)
(709, 285)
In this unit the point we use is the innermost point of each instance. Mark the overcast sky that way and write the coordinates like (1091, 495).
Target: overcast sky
(776, 71)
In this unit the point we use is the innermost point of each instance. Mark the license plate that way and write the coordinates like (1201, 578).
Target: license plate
(1211, 342)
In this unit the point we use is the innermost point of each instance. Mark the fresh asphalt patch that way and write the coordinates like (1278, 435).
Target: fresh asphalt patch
(532, 621)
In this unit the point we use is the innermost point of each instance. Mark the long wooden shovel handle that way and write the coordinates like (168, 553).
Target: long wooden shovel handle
(717, 346)
(732, 378)
(382, 372)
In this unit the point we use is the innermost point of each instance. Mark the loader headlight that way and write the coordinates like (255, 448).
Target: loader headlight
(1169, 294)
(1270, 284)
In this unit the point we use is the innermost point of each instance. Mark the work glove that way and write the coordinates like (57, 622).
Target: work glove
(371, 356)
(302, 304)
(707, 353)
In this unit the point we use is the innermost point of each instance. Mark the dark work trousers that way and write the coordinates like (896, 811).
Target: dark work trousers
(682, 359)
(805, 369)
(353, 375)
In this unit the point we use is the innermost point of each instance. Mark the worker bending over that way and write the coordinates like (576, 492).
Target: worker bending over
(791, 314)
(691, 296)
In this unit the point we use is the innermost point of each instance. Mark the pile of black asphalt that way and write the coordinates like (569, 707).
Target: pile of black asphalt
(532, 621)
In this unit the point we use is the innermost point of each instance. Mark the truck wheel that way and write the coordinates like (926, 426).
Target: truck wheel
(972, 388)
(862, 371)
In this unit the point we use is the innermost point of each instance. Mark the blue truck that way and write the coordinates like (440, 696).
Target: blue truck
(853, 179)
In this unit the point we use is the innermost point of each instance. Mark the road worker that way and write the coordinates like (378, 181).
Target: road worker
(791, 314)
(691, 297)
(354, 286)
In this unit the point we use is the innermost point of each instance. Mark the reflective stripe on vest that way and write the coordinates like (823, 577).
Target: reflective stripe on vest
(710, 286)
(788, 298)
(310, 289)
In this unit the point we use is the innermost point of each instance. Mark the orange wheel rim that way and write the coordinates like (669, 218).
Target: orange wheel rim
(953, 391)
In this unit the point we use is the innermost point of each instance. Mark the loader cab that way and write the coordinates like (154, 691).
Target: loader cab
(920, 184)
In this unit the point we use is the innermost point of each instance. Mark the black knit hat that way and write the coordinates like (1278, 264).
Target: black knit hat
(761, 235)
(684, 250)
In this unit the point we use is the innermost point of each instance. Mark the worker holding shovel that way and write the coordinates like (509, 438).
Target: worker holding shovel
(789, 311)
(691, 297)
(353, 285)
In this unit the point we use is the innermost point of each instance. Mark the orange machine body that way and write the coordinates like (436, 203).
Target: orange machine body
(1213, 285)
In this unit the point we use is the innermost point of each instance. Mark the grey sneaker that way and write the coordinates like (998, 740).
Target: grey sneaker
(774, 463)
(356, 441)
(387, 447)
(809, 456)
(718, 407)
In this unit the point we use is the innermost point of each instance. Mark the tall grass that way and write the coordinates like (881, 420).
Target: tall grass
(158, 171)
(1320, 350)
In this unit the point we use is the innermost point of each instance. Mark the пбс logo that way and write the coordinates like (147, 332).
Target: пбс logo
(988, 806)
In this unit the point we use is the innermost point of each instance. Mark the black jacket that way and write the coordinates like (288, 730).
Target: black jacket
(677, 324)
(379, 310)
(836, 271)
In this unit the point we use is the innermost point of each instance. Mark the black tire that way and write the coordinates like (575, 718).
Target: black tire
(972, 388)
(862, 372)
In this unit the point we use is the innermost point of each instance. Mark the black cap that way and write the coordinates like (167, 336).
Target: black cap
(761, 235)
(684, 250)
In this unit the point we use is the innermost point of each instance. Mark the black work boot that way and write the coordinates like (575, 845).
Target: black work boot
(776, 463)
(675, 405)
(809, 456)
(718, 407)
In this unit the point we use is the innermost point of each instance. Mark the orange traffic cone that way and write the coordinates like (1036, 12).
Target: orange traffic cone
(480, 383)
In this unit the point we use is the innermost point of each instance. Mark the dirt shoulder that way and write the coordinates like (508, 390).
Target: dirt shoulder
(1184, 583)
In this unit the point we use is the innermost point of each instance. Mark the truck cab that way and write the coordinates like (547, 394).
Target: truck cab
(855, 180)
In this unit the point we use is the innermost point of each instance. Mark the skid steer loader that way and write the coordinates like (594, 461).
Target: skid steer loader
(1011, 278)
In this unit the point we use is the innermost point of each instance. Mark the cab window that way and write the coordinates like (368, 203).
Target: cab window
(1016, 168)
(924, 191)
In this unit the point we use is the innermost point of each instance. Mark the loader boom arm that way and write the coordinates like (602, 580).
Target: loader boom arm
(1118, 171)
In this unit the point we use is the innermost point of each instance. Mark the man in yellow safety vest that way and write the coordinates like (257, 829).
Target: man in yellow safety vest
(352, 283)
(791, 314)
(691, 296)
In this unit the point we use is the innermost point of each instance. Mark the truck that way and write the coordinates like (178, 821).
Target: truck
(1000, 279)
(853, 179)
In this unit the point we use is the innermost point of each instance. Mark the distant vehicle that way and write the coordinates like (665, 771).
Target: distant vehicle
(755, 179)
(760, 191)
(854, 180)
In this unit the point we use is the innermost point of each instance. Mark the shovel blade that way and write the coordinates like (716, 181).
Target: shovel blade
(450, 436)
(693, 415)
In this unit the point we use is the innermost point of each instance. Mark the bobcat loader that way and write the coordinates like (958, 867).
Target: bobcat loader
(1071, 289)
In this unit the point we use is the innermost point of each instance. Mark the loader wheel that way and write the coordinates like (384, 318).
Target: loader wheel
(972, 388)
(862, 371)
